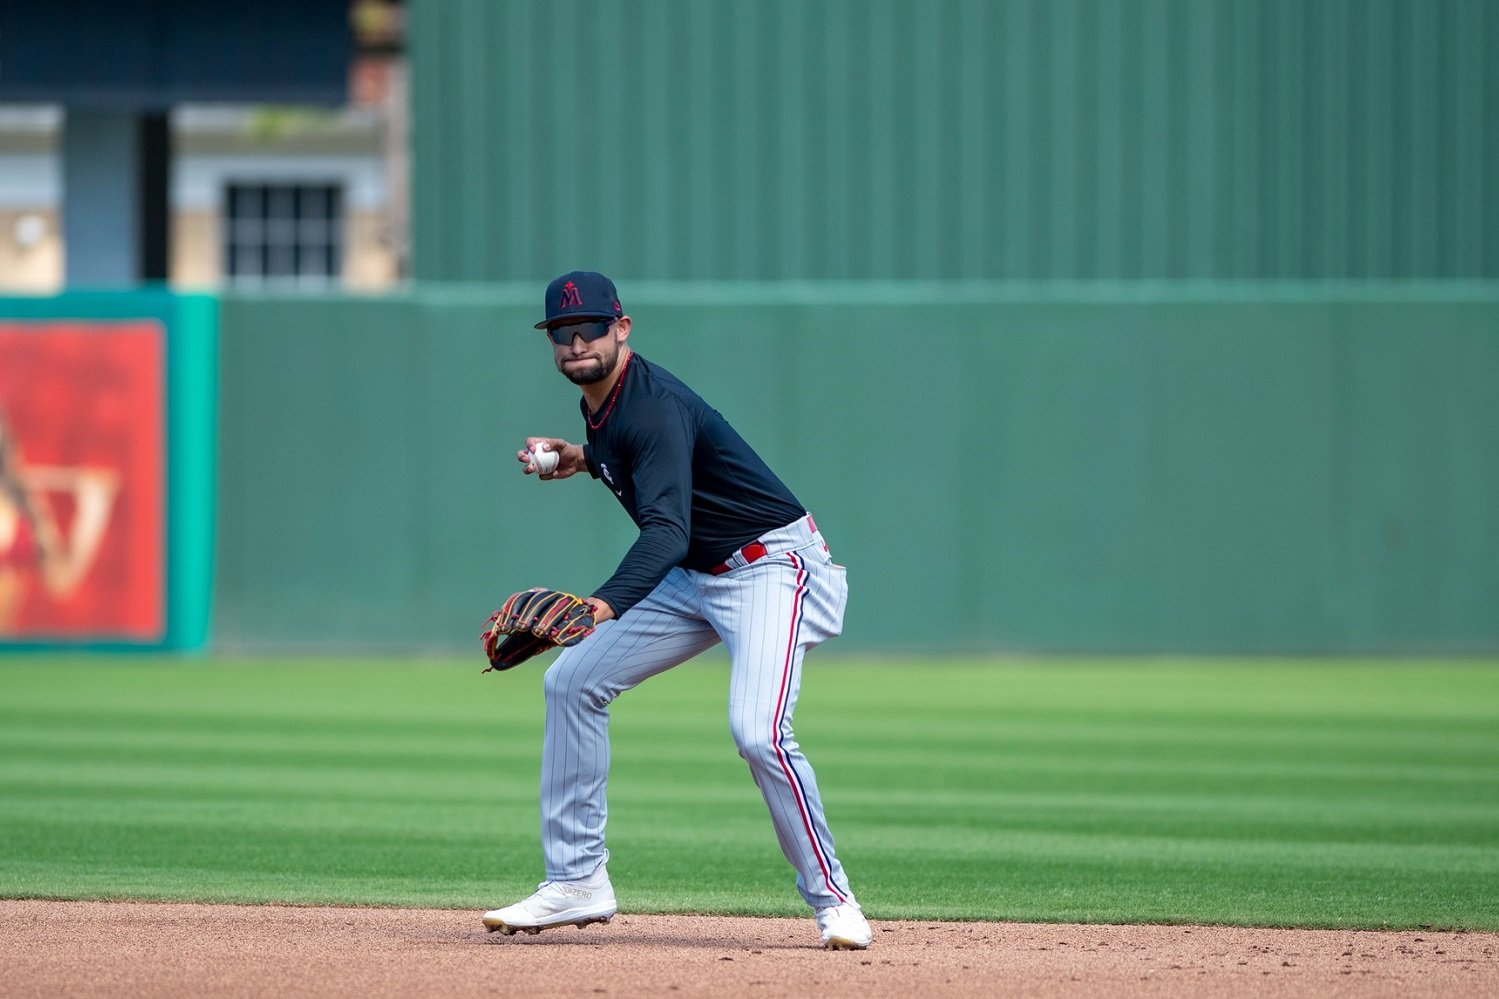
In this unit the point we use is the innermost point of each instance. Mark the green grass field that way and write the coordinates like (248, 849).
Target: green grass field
(1281, 793)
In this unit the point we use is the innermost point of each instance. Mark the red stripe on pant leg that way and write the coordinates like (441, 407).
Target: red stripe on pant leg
(796, 791)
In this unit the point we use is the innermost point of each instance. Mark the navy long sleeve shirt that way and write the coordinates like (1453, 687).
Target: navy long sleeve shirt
(692, 485)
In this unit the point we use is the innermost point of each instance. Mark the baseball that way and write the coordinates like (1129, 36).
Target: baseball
(543, 458)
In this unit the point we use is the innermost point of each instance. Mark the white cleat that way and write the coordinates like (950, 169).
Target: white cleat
(843, 927)
(557, 903)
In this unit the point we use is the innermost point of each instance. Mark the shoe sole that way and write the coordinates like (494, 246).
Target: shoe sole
(843, 943)
(502, 927)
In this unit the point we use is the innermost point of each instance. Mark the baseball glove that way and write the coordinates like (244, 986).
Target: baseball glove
(533, 621)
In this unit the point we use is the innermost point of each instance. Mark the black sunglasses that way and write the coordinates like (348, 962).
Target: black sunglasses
(562, 336)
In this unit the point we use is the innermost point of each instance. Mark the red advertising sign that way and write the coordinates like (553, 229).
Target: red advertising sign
(82, 481)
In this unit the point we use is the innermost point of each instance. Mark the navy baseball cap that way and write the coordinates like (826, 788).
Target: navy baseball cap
(578, 296)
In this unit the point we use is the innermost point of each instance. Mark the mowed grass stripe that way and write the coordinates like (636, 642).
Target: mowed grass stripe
(1275, 793)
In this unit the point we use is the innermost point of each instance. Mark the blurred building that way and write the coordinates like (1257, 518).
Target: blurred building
(260, 197)
(264, 147)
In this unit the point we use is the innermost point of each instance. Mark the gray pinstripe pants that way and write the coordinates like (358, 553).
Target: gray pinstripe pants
(768, 614)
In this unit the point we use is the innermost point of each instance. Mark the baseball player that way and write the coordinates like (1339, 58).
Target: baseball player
(725, 554)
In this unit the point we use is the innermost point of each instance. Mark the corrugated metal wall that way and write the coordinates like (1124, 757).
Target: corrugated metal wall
(687, 139)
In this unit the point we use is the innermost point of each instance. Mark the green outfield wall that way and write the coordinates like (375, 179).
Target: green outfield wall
(983, 139)
(1142, 467)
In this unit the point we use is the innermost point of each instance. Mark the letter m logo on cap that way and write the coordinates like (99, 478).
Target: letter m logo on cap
(570, 298)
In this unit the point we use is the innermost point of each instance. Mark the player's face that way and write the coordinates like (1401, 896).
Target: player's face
(584, 361)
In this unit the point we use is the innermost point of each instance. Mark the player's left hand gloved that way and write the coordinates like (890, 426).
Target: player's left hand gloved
(533, 621)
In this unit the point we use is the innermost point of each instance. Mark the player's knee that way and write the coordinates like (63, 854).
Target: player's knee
(570, 682)
(756, 742)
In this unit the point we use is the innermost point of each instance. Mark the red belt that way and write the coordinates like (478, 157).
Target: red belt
(752, 552)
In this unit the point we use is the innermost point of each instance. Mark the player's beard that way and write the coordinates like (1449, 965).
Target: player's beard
(600, 369)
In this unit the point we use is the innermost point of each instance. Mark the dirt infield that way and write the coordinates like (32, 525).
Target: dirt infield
(149, 949)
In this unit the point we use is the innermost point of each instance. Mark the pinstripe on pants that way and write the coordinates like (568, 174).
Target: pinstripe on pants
(767, 614)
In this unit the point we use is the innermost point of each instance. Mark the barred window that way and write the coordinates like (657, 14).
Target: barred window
(283, 235)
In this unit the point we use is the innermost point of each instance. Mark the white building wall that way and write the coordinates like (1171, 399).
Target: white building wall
(214, 147)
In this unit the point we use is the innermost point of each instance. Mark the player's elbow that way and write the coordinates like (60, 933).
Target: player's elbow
(677, 550)
(668, 539)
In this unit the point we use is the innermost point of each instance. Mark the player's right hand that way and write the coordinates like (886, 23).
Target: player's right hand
(569, 458)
